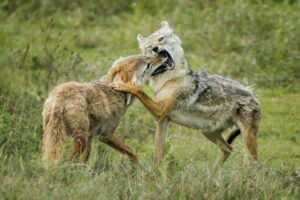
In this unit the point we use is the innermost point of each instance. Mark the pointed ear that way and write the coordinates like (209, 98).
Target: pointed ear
(165, 24)
(165, 27)
(140, 38)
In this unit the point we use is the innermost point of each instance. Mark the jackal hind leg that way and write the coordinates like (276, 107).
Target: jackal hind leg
(250, 124)
(117, 144)
(80, 145)
(217, 138)
(86, 153)
(77, 123)
(79, 129)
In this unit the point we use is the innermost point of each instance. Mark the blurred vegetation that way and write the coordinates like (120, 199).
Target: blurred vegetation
(47, 42)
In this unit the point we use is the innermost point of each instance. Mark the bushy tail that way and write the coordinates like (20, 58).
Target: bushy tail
(54, 137)
(233, 135)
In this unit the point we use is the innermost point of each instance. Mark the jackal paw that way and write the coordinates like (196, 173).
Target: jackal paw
(122, 87)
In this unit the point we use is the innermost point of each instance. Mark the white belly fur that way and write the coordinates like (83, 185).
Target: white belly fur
(195, 120)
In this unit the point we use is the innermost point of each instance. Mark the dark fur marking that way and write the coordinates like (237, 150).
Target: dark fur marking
(196, 86)
(92, 118)
(191, 72)
(207, 88)
(201, 93)
(233, 135)
(256, 114)
(55, 115)
(194, 76)
(196, 82)
(239, 109)
(242, 92)
(202, 73)
(114, 114)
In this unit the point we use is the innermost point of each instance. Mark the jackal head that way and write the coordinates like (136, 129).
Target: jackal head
(135, 70)
(163, 42)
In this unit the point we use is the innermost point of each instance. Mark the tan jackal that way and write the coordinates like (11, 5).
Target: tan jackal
(85, 110)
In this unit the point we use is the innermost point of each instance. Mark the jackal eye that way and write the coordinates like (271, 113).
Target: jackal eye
(148, 66)
(161, 39)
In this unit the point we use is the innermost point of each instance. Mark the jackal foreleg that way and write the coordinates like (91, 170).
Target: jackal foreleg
(158, 109)
(160, 137)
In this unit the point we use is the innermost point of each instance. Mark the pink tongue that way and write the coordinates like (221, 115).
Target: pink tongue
(169, 62)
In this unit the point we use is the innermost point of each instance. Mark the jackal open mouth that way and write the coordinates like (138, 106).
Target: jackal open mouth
(168, 65)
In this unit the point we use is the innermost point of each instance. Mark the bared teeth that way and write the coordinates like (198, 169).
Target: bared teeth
(169, 66)
(169, 63)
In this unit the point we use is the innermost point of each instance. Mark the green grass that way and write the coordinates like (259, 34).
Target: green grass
(191, 168)
(44, 43)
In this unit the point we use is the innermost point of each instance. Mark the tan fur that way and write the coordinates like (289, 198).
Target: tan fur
(158, 109)
(84, 110)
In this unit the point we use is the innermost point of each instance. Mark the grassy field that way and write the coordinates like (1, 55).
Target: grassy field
(44, 43)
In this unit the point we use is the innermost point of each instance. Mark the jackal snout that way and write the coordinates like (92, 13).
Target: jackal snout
(155, 49)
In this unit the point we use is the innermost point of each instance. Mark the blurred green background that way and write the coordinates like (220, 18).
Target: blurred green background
(47, 42)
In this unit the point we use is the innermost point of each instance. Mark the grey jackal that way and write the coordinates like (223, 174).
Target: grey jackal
(210, 103)
(84, 110)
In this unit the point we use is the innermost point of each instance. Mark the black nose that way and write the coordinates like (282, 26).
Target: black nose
(155, 49)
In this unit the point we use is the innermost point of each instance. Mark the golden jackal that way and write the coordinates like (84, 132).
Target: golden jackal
(208, 102)
(84, 110)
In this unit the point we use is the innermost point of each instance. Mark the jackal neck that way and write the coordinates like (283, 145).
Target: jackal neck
(181, 69)
(101, 82)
